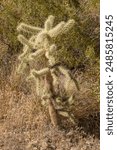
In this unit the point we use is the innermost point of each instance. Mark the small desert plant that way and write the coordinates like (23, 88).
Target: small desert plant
(41, 44)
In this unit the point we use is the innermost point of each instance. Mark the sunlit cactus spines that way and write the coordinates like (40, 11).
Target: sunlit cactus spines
(41, 44)
(49, 55)
(37, 54)
(22, 55)
(25, 41)
(40, 72)
(61, 28)
(49, 23)
(22, 67)
(28, 48)
(53, 33)
(28, 28)
(68, 26)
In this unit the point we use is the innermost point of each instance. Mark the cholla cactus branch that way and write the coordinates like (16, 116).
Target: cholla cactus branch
(37, 54)
(49, 23)
(68, 26)
(53, 33)
(28, 28)
(21, 68)
(61, 28)
(42, 41)
(49, 55)
(54, 76)
(25, 50)
(39, 73)
(24, 41)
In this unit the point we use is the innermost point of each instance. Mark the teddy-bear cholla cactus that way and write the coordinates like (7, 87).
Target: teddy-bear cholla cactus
(40, 45)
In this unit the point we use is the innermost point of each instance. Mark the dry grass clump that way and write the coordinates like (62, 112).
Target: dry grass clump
(26, 127)
(25, 124)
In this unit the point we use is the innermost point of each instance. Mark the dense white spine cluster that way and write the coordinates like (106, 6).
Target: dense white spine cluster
(40, 45)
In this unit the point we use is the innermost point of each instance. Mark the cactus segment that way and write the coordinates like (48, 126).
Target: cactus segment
(28, 28)
(68, 26)
(40, 72)
(53, 33)
(24, 41)
(49, 23)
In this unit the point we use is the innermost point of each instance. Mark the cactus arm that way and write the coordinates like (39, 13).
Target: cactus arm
(24, 41)
(22, 55)
(28, 28)
(26, 49)
(50, 58)
(68, 26)
(46, 44)
(53, 33)
(40, 40)
(37, 54)
(21, 68)
(40, 72)
(54, 76)
(49, 53)
(61, 28)
(49, 23)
